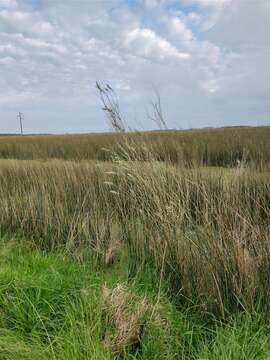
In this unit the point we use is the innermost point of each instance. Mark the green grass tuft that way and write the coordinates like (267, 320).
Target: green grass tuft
(51, 307)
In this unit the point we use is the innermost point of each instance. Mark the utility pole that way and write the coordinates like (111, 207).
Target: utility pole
(20, 117)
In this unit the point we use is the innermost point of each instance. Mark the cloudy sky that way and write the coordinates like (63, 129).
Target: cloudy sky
(209, 60)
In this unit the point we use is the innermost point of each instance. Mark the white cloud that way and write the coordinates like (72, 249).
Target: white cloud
(209, 3)
(194, 17)
(211, 86)
(23, 22)
(178, 27)
(10, 97)
(50, 57)
(245, 24)
(8, 4)
(151, 3)
(147, 43)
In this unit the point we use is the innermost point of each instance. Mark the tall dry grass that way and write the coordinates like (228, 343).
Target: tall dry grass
(206, 230)
(207, 147)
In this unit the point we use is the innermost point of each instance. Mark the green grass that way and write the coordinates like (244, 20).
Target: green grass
(51, 308)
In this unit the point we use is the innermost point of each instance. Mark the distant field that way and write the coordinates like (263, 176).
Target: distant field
(211, 147)
(136, 246)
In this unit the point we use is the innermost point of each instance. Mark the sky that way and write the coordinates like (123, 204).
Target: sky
(209, 60)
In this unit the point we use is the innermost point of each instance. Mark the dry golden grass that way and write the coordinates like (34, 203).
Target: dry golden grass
(205, 229)
(124, 314)
(210, 147)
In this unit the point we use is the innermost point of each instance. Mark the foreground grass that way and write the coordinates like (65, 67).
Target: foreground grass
(52, 307)
(136, 258)
(179, 221)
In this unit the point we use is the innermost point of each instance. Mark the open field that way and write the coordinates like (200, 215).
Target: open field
(206, 147)
(168, 232)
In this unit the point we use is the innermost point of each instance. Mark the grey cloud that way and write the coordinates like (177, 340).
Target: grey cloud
(51, 56)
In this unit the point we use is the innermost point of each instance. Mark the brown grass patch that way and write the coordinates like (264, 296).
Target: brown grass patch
(124, 318)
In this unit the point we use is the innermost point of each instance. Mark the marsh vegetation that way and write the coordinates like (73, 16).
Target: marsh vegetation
(165, 231)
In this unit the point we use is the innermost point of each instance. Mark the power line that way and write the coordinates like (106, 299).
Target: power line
(20, 117)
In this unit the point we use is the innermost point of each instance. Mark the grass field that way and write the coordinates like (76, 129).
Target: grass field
(206, 147)
(136, 246)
